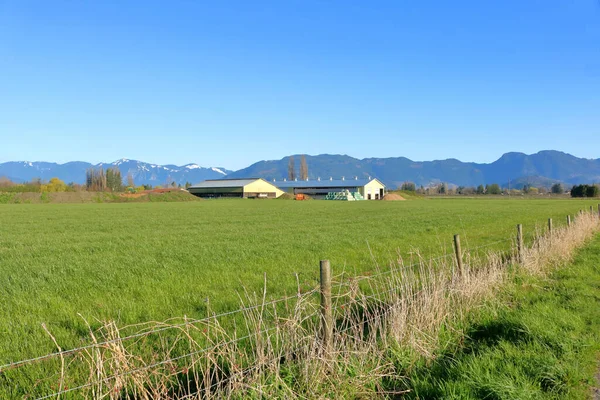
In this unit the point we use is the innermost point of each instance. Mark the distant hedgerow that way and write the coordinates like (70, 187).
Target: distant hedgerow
(584, 191)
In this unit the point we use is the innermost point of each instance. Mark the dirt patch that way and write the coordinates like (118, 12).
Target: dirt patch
(393, 197)
(286, 196)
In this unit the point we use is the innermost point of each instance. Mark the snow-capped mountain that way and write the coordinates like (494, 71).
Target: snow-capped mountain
(142, 172)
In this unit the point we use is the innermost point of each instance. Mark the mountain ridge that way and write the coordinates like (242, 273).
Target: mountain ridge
(517, 167)
(551, 165)
(142, 172)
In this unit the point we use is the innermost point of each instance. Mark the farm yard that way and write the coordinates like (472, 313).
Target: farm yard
(64, 264)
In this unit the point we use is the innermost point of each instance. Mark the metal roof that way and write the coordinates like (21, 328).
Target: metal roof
(324, 183)
(224, 183)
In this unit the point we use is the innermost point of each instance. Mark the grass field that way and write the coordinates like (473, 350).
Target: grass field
(540, 340)
(151, 261)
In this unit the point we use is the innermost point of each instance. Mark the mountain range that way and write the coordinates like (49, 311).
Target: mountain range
(514, 169)
(517, 169)
(142, 172)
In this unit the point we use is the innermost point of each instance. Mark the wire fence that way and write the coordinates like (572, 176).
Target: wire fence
(263, 314)
(154, 365)
(63, 353)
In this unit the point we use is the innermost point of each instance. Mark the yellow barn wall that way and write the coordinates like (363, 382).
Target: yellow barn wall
(261, 186)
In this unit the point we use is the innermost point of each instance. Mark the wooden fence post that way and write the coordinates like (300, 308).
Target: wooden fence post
(568, 220)
(550, 227)
(520, 243)
(326, 308)
(459, 260)
(592, 210)
(598, 210)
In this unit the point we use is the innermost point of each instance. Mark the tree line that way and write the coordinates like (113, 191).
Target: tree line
(443, 188)
(495, 189)
(96, 180)
(37, 186)
(99, 180)
(585, 191)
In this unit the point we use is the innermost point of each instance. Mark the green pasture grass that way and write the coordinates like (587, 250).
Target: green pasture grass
(541, 341)
(137, 262)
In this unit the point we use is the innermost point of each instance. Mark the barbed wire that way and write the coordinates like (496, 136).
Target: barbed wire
(17, 364)
(370, 275)
(483, 246)
(247, 370)
(20, 363)
(376, 273)
(339, 332)
(206, 349)
(157, 364)
(377, 315)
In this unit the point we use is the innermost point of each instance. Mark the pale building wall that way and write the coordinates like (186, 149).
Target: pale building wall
(374, 188)
(262, 186)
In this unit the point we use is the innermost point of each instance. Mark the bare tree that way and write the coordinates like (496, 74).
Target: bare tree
(303, 168)
(95, 180)
(291, 169)
(130, 181)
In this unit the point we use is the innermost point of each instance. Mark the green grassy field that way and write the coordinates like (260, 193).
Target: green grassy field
(539, 340)
(151, 261)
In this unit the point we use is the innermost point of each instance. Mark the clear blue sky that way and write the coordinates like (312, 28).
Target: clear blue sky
(228, 83)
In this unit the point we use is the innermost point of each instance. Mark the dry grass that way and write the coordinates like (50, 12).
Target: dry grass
(274, 350)
(550, 251)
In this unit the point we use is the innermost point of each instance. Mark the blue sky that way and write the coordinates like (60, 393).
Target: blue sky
(229, 83)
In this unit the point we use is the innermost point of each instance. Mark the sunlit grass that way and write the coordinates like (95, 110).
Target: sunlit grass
(151, 261)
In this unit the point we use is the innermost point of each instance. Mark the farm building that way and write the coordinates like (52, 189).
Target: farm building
(246, 188)
(370, 189)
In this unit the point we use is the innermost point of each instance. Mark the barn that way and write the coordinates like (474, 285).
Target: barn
(370, 189)
(243, 188)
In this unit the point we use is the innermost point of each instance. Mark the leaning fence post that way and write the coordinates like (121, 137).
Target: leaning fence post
(568, 220)
(326, 310)
(520, 243)
(458, 252)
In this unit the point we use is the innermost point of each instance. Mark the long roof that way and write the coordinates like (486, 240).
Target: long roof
(224, 183)
(324, 183)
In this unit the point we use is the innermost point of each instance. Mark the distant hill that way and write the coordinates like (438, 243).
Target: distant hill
(142, 172)
(545, 166)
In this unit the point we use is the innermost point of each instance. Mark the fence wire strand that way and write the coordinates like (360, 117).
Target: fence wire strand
(68, 352)
(378, 272)
(157, 364)
(20, 363)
